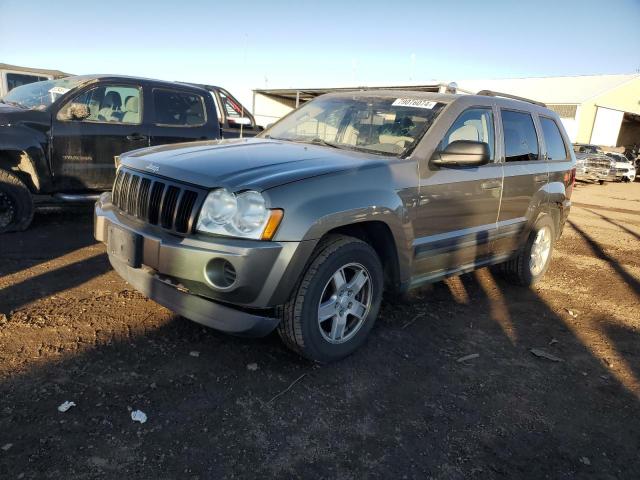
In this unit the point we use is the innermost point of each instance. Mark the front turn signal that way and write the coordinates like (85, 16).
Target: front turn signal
(275, 217)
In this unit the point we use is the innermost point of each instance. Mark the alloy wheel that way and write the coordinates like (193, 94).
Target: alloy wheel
(7, 209)
(345, 303)
(540, 251)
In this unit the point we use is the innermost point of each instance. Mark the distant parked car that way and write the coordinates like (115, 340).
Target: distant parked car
(59, 138)
(593, 165)
(624, 166)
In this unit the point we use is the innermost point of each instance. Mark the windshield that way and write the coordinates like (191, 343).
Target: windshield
(379, 125)
(40, 95)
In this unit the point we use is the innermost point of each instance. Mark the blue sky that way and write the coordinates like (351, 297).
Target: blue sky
(252, 44)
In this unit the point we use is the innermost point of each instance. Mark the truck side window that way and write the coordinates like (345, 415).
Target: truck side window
(180, 109)
(474, 124)
(520, 139)
(105, 104)
(556, 149)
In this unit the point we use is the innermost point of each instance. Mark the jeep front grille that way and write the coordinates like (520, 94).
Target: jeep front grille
(170, 205)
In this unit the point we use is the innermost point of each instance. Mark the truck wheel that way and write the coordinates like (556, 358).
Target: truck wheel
(335, 304)
(533, 260)
(16, 204)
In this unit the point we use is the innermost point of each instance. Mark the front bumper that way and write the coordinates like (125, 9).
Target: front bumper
(176, 272)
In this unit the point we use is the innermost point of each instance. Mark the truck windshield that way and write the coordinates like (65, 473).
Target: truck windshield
(40, 95)
(380, 125)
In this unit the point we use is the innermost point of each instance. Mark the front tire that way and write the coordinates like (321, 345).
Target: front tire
(16, 204)
(532, 261)
(333, 308)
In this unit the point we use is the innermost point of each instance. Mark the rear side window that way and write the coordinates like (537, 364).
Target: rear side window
(180, 109)
(556, 149)
(520, 139)
(474, 124)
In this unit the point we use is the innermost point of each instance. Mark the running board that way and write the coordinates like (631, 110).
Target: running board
(64, 198)
(77, 197)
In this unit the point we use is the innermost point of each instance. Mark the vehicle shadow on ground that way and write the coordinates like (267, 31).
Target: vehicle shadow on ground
(52, 234)
(599, 252)
(403, 405)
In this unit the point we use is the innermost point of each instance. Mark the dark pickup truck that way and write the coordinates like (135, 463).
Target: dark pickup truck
(59, 138)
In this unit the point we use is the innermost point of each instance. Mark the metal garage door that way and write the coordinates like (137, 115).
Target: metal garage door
(606, 127)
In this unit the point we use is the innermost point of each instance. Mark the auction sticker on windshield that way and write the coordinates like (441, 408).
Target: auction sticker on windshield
(59, 90)
(413, 102)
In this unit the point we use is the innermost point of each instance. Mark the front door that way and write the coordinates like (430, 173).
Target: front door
(458, 206)
(89, 130)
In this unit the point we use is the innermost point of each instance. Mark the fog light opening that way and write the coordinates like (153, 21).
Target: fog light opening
(220, 273)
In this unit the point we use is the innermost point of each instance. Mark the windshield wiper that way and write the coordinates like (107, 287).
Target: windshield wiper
(320, 141)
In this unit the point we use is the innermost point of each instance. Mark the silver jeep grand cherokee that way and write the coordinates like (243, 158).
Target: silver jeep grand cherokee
(304, 227)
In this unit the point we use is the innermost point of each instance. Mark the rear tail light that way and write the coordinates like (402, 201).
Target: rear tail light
(569, 181)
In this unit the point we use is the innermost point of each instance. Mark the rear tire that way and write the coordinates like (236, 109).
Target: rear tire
(16, 204)
(533, 259)
(334, 306)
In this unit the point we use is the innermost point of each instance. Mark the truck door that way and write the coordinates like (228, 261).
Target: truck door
(90, 129)
(181, 116)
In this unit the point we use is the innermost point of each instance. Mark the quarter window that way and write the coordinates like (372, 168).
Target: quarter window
(178, 108)
(520, 139)
(107, 103)
(475, 124)
(556, 149)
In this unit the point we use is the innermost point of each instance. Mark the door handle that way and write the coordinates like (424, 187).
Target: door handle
(491, 184)
(540, 178)
(134, 137)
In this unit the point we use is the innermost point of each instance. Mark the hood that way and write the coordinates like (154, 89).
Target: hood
(253, 163)
(10, 114)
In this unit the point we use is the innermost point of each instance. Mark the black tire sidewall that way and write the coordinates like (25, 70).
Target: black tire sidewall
(22, 201)
(318, 348)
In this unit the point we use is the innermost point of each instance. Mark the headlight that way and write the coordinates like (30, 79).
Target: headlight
(244, 215)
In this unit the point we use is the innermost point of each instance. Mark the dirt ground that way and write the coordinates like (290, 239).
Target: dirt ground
(402, 407)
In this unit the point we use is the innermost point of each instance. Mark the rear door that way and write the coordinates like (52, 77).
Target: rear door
(525, 177)
(180, 115)
(98, 123)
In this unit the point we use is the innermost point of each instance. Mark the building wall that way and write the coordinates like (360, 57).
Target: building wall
(268, 110)
(624, 98)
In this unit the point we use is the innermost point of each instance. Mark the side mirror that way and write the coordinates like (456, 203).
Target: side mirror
(78, 111)
(462, 153)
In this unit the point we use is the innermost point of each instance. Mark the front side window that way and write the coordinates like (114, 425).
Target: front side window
(106, 103)
(556, 149)
(475, 124)
(179, 109)
(374, 124)
(520, 139)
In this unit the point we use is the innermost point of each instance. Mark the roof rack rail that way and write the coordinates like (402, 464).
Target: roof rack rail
(491, 93)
